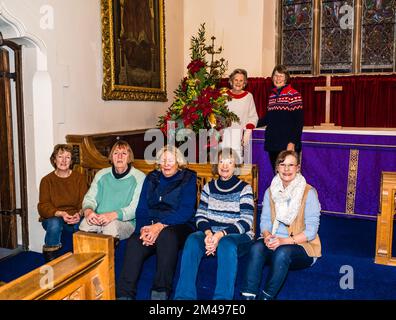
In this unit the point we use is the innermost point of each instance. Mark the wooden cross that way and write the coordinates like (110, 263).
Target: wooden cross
(328, 88)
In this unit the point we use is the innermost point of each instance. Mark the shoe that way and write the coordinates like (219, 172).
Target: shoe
(264, 296)
(248, 297)
(159, 295)
(125, 298)
(51, 252)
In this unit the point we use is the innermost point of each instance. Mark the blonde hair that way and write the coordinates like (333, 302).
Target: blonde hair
(61, 148)
(122, 144)
(180, 159)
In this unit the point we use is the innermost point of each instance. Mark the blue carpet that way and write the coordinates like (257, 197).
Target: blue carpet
(346, 243)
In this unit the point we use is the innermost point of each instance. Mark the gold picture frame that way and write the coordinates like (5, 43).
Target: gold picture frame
(133, 44)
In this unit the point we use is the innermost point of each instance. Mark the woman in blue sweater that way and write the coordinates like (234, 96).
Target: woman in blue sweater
(224, 220)
(164, 219)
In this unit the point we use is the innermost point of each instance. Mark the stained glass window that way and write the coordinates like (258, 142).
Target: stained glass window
(297, 35)
(378, 35)
(336, 37)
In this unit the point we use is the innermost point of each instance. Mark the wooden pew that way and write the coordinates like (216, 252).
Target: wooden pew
(88, 160)
(86, 274)
(385, 220)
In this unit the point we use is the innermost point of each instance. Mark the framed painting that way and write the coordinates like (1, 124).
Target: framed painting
(133, 43)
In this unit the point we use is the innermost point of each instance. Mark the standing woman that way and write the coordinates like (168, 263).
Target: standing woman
(289, 230)
(164, 219)
(284, 118)
(224, 219)
(237, 136)
(60, 199)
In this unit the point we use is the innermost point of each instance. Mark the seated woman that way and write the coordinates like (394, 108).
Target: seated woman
(224, 220)
(60, 199)
(110, 203)
(289, 230)
(164, 219)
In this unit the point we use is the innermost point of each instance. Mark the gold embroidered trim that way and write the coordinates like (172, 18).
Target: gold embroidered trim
(352, 180)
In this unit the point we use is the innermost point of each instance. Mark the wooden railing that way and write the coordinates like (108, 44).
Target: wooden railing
(86, 274)
(385, 220)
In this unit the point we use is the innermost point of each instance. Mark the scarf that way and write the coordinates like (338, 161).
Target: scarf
(287, 200)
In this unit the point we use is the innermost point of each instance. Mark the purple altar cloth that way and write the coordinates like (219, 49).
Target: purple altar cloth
(325, 165)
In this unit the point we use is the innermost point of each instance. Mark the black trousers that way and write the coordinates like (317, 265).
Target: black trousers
(272, 156)
(169, 242)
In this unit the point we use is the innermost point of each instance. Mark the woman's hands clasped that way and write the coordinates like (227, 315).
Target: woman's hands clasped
(272, 242)
(150, 233)
(212, 241)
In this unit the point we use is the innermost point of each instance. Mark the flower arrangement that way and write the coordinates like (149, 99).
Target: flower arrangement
(198, 103)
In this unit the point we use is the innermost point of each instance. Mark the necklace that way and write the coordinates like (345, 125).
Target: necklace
(227, 190)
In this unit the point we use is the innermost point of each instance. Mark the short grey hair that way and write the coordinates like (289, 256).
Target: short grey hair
(235, 72)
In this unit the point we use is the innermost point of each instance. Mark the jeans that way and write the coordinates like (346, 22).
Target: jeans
(54, 227)
(281, 260)
(229, 249)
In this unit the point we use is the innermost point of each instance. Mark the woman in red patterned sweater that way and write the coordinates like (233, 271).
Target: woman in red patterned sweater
(284, 118)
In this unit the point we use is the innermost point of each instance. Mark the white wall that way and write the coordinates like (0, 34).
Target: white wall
(63, 68)
(245, 29)
(63, 80)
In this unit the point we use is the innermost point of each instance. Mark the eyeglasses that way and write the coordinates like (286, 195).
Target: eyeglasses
(280, 76)
(226, 161)
(287, 165)
(168, 161)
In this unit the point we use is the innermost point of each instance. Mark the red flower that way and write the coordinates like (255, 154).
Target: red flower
(195, 65)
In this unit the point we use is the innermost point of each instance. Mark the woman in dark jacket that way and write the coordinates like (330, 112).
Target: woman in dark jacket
(164, 219)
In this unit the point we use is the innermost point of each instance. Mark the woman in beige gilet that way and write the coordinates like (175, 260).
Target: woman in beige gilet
(289, 230)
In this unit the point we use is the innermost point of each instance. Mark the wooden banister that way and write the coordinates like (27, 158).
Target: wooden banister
(86, 274)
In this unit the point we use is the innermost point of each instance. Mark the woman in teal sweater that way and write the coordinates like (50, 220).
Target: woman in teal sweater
(110, 203)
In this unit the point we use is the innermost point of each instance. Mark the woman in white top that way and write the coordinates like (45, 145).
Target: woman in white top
(237, 136)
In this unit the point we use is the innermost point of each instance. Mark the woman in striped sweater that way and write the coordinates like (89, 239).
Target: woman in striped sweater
(224, 220)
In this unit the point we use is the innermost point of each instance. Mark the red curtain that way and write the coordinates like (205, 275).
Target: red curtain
(260, 89)
(314, 102)
(365, 101)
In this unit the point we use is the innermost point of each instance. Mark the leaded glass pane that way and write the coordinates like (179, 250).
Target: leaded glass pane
(336, 36)
(378, 35)
(297, 35)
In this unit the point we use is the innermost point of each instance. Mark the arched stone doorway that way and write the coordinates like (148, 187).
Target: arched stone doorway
(30, 128)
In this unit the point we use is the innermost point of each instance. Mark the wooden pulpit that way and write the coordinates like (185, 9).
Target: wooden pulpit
(85, 274)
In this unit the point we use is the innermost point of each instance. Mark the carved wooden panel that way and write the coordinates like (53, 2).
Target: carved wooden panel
(8, 233)
(385, 220)
(87, 274)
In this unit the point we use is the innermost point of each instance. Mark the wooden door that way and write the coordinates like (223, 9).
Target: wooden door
(8, 222)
